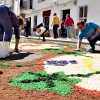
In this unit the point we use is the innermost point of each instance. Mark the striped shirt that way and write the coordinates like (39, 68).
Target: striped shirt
(14, 21)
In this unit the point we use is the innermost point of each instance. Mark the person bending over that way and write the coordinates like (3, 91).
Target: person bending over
(91, 31)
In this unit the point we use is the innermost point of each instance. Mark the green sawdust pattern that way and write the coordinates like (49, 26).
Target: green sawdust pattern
(70, 53)
(59, 51)
(12, 42)
(56, 82)
(19, 65)
(3, 63)
(84, 75)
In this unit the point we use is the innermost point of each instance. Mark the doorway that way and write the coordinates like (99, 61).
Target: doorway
(64, 13)
(46, 21)
(34, 23)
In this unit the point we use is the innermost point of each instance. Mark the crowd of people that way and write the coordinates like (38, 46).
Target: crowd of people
(66, 26)
(8, 19)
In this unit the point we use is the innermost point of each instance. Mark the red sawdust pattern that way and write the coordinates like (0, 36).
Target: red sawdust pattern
(92, 92)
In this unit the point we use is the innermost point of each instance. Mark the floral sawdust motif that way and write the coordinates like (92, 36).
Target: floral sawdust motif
(56, 82)
(60, 62)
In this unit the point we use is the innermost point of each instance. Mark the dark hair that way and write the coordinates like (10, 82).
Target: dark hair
(21, 20)
(80, 23)
(54, 14)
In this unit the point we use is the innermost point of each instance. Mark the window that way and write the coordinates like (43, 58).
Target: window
(83, 13)
(35, 23)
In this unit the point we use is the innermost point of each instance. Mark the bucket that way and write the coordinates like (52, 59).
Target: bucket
(40, 31)
(4, 49)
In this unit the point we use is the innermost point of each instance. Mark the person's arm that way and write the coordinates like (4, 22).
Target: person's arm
(73, 21)
(38, 38)
(96, 27)
(52, 21)
(80, 37)
(59, 22)
(17, 37)
(65, 22)
(97, 31)
(79, 45)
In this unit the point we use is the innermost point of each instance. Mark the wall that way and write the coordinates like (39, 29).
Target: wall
(36, 5)
(82, 2)
(94, 11)
(2, 1)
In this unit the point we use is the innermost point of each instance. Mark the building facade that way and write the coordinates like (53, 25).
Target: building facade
(42, 11)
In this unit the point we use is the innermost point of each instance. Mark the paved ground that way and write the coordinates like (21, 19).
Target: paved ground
(50, 71)
(60, 39)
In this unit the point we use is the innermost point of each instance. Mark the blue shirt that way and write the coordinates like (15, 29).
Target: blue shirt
(89, 31)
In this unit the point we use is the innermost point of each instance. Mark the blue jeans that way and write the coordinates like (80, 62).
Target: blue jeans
(5, 25)
(55, 27)
(68, 28)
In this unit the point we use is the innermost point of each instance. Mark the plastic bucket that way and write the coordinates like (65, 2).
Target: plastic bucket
(4, 49)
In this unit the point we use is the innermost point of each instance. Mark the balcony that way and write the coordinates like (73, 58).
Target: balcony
(26, 7)
(45, 3)
(62, 1)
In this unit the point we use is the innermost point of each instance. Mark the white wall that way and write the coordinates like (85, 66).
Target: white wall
(36, 5)
(94, 11)
(39, 17)
(2, 1)
(74, 14)
(9, 3)
(82, 2)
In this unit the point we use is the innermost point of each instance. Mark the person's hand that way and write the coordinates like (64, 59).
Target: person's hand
(77, 49)
(92, 37)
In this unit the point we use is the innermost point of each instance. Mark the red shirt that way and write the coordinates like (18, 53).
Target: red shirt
(69, 22)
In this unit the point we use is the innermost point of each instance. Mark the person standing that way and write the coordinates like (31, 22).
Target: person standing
(27, 28)
(91, 31)
(8, 19)
(55, 23)
(63, 29)
(69, 22)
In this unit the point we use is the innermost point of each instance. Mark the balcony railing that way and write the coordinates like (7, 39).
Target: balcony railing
(26, 7)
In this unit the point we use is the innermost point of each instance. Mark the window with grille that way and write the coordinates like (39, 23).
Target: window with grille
(83, 13)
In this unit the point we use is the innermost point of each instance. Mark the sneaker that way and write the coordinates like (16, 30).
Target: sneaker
(91, 50)
(17, 50)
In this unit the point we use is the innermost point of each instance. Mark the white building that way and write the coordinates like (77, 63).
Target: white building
(9, 3)
(13, 4)
(42, 10)
(88, 10)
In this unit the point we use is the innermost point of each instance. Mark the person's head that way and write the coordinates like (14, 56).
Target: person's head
(26, 19)
(62, 20)
(68, 16)
(81, 25)
(21, 21)
(54, 14)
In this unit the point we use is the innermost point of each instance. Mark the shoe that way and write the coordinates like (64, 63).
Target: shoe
(16, 50)
(77, 49)
(43, 40)
(91, 50)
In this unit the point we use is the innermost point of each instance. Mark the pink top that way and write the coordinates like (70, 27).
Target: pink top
(69, 22)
